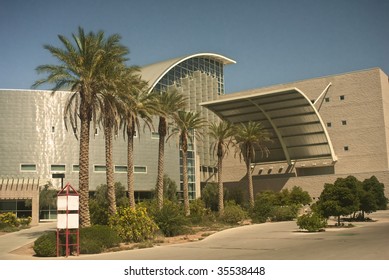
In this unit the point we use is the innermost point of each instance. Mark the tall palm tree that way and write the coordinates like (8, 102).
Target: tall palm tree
(81, 70)
(169, 103)
(139, 105)
(249, 138)
(186, 125)
(120, 79)
(221, 133)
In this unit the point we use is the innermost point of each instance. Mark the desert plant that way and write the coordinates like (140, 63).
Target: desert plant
(284, 213)
(233, 213)
(8, 219)
(133, 224)
(311, 222)
(96, 239)
(46, 245)
(171, 219)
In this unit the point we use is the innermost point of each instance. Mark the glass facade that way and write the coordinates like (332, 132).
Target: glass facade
(200, 79)
(21, 207)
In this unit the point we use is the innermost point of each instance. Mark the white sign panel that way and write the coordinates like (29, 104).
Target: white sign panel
(67, 221)
(61, 203)
(72, 203)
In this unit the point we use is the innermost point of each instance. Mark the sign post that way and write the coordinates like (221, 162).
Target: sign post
(68, 220)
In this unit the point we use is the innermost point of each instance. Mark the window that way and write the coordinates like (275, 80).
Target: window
(140, 169)
(120, 168)
(341, 97)
(154, 135)
(345, 148)
(327, 99)
(53, 129)
(344, 122)
(57, 168)
(28, 167)
(96, 131)
(100, 168)
(329, 124)
(76, 168)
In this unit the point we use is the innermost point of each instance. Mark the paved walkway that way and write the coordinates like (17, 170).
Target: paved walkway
(269, 241)
(12, 241)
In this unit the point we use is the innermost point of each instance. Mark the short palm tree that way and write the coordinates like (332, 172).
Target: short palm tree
(186, 125)
(81, 70)
(221, 133)
(169, 103)
(138, 105)
(249, 138)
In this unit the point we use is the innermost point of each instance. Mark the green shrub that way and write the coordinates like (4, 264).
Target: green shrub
(46, 245)
(133, 225)
(233, 213)
(284, 213)
(171, 219)
(210, 196)
(199, 214)
(311, 222)
(261, 211)
(8, 219)
(96, 239)
(24, 221)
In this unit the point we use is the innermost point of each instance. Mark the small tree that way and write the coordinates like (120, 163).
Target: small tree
(378, 190)
(299, 197)
(340, 198)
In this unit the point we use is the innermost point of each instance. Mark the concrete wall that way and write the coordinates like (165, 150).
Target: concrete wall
(365, 108)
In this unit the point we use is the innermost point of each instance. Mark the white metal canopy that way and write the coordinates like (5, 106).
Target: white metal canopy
(297, 130)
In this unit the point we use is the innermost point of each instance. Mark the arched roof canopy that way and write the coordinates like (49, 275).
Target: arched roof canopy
(297, 130)
(153, 73)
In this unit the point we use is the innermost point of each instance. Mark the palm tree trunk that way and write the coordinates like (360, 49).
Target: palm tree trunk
(161, 154)
(220, 184)
(185, 182)
(250, 182)
(130, 166)
(84, 167)
(110, 169)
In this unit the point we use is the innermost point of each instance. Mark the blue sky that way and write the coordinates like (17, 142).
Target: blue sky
(272, 41)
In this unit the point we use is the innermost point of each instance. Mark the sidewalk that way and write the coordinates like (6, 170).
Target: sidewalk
(12, 241)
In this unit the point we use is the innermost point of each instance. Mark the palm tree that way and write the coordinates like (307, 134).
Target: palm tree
(81, 70)
(249, 138)
(139, 105)
(222, 133)
(120, 79)
(169, 103)
(186, 125)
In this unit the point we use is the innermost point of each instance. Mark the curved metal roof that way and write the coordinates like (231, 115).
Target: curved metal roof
(298, 132)
(154, 72)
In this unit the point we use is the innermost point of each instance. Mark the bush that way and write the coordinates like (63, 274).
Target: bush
(8, 219)
(199, 214)
(46, 245)
(133, 225)
(262, 210)
(170, 219)
(311, 222)
(284, 213)
(210, 196)
(96, 239)
(233, 213)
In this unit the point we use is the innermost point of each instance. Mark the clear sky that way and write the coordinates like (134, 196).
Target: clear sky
(272, 41)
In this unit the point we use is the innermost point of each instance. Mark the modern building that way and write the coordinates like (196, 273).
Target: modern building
(322, 129)
(35, 144)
